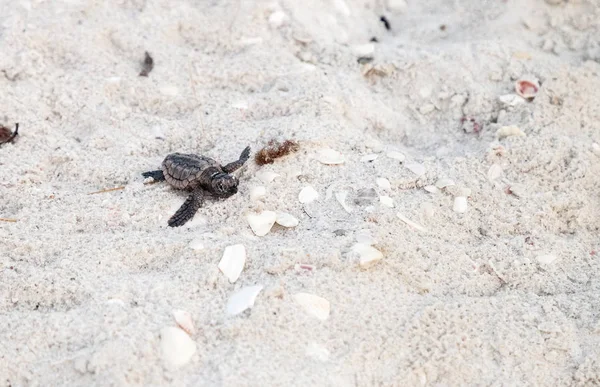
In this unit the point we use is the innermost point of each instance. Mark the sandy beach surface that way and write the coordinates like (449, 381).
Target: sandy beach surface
(453, 240)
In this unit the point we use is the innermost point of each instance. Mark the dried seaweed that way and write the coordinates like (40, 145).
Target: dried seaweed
(274, 150)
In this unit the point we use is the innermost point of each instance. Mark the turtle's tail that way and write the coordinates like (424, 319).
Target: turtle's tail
(156, 175)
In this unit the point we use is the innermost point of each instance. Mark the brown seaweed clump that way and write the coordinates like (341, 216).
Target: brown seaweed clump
(274, 150)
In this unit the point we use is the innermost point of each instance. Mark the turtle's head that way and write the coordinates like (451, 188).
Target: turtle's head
(225, 185)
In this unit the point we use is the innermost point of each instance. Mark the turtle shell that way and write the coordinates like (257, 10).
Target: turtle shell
(183, 171)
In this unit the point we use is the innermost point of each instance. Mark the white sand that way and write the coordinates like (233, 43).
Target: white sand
(88, 282)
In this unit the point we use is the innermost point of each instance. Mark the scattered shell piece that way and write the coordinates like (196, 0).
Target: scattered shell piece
(176, 346)
(317, 352)
(242, 105)
(184, 320)
(397, 6)
(527, 89)
(261, 223)
(464, 191)
(596, 149)
(330, 157)
(444, 182)
(369, 157)
(341, 198)
(410, 222)
(383, 183)
(511, 99)
(243, 299)
(507, 131)
(460, 204)
(233, 262)
(417, 169)
(303, 267)
(369, 255)
(396, 156)
(266, 176)
(427, 108)
(428, 210)
(256, 193)
(431, 188)
(307, 195)
(197, 244)
(386, 201)
(546, 259)
(364, 237)
(315, 306)
(170, 91)
(277, 19)
(494, 172)
(286, 220)
(364, 49)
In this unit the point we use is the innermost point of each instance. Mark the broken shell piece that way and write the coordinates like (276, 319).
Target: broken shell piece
(317, 352)
(364, 237)
(341, 198)
(511, 99)
(266, 176)
(307, 195)
(233, 262)
(527, 89)
(546, 259)
(277, 19)
(460, 204)
(428, 210)
(386, 201)
(304, 267)
(596, 149)
(417, 169)
(443, 183)
(494, 172)
(243, 299)
(410, 222)
(431, 188)
(256, 193)
(396, 156)
(330, 157)
(197, 244)
(286, 220)
(184, 320)
(383, 183)
(507, 131)
(313, 305)
(369, 255)
(261, 223)
(176, 346)
(369, 157)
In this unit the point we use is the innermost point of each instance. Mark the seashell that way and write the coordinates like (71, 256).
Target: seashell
(277, 19)
(596, 149)
(431, 188)
(507, 131)
(364, 49)
(177, 348)
(386, 201)
(196, 244)
(307, 195)
(341, 198)
(369, 157)
(410, 222)
(396, 156)
(369, 255)
(243, 299)
(494, 172)
(511, 99)
(428, 210)
(444, 182)
(383, 183)
(256, 193)
(330, 157)
(315, 306)
(364, 237)
(417, 169)
(460, 204)
(232, 263)
(266, 176)
(184, 320)
(286, 220)
(261, 223)
(317, 352)
(546, 259)
(527, 89)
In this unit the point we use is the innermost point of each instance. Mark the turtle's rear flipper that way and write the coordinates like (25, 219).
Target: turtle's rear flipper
(156, 175)
(187, 210)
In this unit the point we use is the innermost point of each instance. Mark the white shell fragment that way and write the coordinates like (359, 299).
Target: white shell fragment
(365, 237)
(527, 89)
(256, 193)
(286, 220)
(317, 352)
(315, 306)
(411, 223)
(396, 156)
(369, 157)
(369, 255)
(431, 188)
(233, 262)
(196, 244)
(494, 172)
(184, 320)
(507, 131)
(176, 346)
(386, 201)
(261, 223)
(444, 182)
(596, 149)
(383, 183)
(243, 299)
(266, 176)
(417, 169)
(277, 19)
(341, 198)
(428, 209)
(460, 204)
(546, 259)
(330, 157)
(307, 195)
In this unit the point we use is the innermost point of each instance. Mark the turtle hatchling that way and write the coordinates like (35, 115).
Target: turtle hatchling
(202, 176)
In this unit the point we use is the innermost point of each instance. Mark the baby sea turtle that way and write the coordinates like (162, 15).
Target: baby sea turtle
(201, 175)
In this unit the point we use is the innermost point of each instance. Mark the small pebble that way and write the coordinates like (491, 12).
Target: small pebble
(396, 156)
(184, 320)
(286, 220)
(460, 204)
(315, 306)
(369, 255)
(233, 261)
(366, 196)
(417, 169)
(176, 346)
(307, 195)
(261, 223)
(386, 201)
(243, 299)
(341, 198)
(546, 259)
(330, 157)
(507, 131)
(257, 193)
(383, 183)
(369, 157)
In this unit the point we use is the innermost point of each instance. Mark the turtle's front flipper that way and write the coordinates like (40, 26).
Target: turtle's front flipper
(234, 166)
(156, 175)
(188, 209)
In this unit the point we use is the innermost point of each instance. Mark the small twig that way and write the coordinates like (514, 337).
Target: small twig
(8, 220)
(108, 190)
